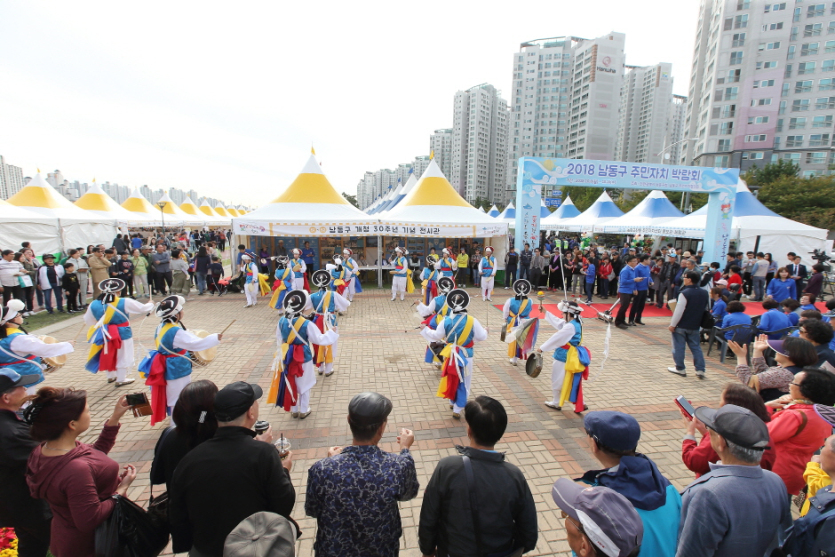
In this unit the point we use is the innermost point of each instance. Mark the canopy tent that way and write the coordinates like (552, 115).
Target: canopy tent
(494, 211)
(18, 225)
(212, 217)
(384, 203)
(778, 235)
(310, 206)
(78, 227)
(508, 215)
(233, 211)
(567, 210)
(146, 213)
(481, 209)
(174, 216)
(654, 210)
(221, 210)
(395, 197)
(410, 184)
(97, 201)
(544, 211)
(600, 212)
(433, 206)
(189, 207)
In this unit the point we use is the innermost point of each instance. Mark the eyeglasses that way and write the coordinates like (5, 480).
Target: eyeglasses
(568, 518)
(795, 384)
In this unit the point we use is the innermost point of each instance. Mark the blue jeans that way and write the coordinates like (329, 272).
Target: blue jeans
(589, 290)
(59, 298)
(759, 287)
(201, 281)
(691, 337)
(524, 271)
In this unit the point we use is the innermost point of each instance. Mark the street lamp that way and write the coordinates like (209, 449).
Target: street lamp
(161, 205)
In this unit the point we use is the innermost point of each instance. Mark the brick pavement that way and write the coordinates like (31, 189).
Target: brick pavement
(381, 350)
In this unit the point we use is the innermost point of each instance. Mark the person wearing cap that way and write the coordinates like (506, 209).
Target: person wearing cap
(481, 478)
(110, 334)
(737, 508)
(514, 311)
(352, 267)
(400, 274)
(614, 437)
(22, 350)
(435, 311)
(227, 478)
(325, 304)
(262, 534)
(294, 377)
(571, 359)
(49, 283)
(339, 275)
(29, 517)
(686, 323)
(460, 332)
(598, 521)
(250, 270)
(447, 264)
(168, 367)
(354, 493)
(429, 280)
(487, 271)
(791, 354)
(299, 269)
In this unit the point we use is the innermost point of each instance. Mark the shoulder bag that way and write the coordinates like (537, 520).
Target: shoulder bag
(516, 551)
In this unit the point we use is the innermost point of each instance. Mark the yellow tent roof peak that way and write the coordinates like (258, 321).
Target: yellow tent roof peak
(138, 204)
(311, 186)
(37, 193)
(434, 189)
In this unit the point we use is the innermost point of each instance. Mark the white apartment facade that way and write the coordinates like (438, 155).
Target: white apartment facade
(645, 114)
(565, 100)
(479, 144)
(11, 179)
(762, 85)
(440, 143)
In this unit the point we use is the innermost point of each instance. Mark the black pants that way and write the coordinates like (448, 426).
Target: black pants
(555, 279)
(535, 277)
(747, 283)
(10, 292)
(162, 279)
(637, 311)
(625, 299)
(33, 539)
(509, 275)
(461, 277)
(72, 299)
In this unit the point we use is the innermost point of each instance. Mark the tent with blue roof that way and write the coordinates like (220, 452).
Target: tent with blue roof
(567, 210)
(494, 211)
(407, 187)
(600, 212)
(778, 235)
(544, 211)
(508, 215)
(655, 209)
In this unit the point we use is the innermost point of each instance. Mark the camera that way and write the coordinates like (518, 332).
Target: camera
(823, 258)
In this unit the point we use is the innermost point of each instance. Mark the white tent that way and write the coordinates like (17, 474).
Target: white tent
(97, 201)
(78, 227)
(508, 215)
(653, 210)
(410, 184)
(600, 212)
(146, 214)
(18, 225)
(212, 217)
(567, 210)
(174, 216)
(494, 211)
(778, 235)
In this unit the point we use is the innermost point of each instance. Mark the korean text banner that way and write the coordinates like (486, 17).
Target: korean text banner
(528, 201)
(245, 228)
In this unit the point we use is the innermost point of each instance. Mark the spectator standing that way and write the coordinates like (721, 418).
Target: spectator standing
(82, 270)
(627, 288)
(135, 242)
(161, 261)
(49, 282)
(124, 271)
(668, 274)
(782, 287)
(279, 250)
(10, 270)
(69, 283)
(591, 273)
(221, 238)
(215, 274)
(179, 265)
(76, 479)
(737, 508)
(201, 269)
(483, 480)
(140, 274)
(511, 260)
(759, 271)
(119, 245)
(228, 477)
(463, 268)
(613, 438)
(99, 269)
(525, 262)
(353, 494)
(29, 517)
(263, 261)
(535, 271)
(815, 284)
(747, 272)
(685, 325)
(797, 271)
(475, 276)
(555, 272)
(642, 284)
(27, 292)
(309, 258)
(604, 276)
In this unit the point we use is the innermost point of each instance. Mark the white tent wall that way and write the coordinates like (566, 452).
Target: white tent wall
(76, 235)
(779, 244)
(43, 236)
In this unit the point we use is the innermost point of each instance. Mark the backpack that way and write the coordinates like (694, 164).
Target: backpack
(802, 537)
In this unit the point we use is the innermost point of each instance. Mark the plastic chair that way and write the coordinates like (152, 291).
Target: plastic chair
(742, 334)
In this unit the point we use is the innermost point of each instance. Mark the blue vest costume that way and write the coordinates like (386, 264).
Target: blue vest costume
(293, 263)
(454, 327)
(446, 266)
(487, 265)
(400, 266)
(441, 311)
(175, 367)
(97, 308)
(24, 365)
(286, 325)
(561, 353)
(251, 273)
(317, 299)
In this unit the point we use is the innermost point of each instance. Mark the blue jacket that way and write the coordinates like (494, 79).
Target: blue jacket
(655, 499)
(591, 271)
(773, 320)
(794, 318)
(781, 290)
(734, 319)
(719, 311)
(814, 534)
(626, 281)
(641, 270)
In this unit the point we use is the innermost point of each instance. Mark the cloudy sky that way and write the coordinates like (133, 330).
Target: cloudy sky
(228, 97)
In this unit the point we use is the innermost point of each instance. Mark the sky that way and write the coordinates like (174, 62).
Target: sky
(227, 98)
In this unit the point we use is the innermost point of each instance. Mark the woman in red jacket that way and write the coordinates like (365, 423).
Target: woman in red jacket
(76, 479)
(697, 457)
(795, 429)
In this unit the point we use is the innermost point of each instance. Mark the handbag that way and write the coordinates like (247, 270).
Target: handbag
(129, 531)
(516, 551)
(25, 281)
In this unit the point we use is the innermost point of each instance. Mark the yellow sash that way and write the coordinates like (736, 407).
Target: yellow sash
(272, 395)
(468, 327)
(109, 312)
(325, 354)
(511, 347)
(161, 333)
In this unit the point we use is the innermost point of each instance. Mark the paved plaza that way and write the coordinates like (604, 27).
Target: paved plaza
(380, 350)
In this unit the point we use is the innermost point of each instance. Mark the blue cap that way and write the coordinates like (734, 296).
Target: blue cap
(10, 379)
(615, 430)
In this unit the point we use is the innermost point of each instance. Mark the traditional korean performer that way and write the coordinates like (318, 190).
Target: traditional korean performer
(325, 304)
(299, 268)
(429, 279)
(400, 274)
(251, 286)
(350, 265)
(487, 270)
(571, 358)
(435, 311)
(284, 282)
(515, 310)
(447, 265)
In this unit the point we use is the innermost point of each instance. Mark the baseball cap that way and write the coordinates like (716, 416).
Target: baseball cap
(615, 430)
(369, 408)
(721, 282)
(736, 424)
(10, 379)
(607, 517)
(827, 413)
(235, 399)
(262, 534)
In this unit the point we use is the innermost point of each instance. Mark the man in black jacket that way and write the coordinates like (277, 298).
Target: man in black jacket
(227, 478)
(506, 515)
(29, 517)
(666, 278)
(525, 262)
(686, 322)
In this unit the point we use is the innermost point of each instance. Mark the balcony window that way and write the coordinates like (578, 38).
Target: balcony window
(758, 120)
(741, 21)
(824, 103)
(759, 138)
(736, 58)
(816, 157)
(828, 66)
(803, 86)
(797, 123)
(731, 93)
(819, 140)
(800, 105)
(813, 30)
(822, 122)
(724, 145)
(805, 68)
(815, 10)
(794, 141)
(809, 49)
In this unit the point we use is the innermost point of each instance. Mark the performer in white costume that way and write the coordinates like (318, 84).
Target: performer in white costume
(399, 274)
(571, 358)
(251, 287)
(325, 304)
(447, 264)
(350, 265)
(487, 270)
(299, 268)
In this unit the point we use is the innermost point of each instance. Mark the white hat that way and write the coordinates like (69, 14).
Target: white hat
(12, 309)
(347, 252)
(169, 307)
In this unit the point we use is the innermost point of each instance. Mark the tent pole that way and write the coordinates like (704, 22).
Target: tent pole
(756, 245)
(60, 237)
(379, 261)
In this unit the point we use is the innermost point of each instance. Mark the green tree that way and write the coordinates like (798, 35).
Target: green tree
(807, 200)
(771, 172)
(352, 199)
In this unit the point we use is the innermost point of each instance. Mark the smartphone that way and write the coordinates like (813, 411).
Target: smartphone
(685, 407)
(136, 399)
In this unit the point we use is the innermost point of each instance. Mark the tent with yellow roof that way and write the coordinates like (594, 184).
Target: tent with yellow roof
(97, 201)
(233, 211)
(213, 218)
(18, 225)
(190, 208)
(146, 213)
(175, 216)
(221, 210)
(77, 227)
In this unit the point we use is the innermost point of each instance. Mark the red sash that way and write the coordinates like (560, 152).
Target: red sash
(110, 352)
(293, 371)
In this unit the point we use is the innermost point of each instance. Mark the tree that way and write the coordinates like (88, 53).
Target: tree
(352, 199)
(771, 172)
(807, 200)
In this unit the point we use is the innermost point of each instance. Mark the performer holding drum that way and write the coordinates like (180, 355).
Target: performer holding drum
(515, 310)
(294, 375)
(24, 351)
(435, 311)
(447, 265)
(168, 368)
(110, 335)
(429, 279)
(325, 304)
(571, 359)
(284, 282)
(351, 266)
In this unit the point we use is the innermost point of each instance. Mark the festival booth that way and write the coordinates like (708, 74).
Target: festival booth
(653, 211)
(97, 201)
(494, 211)
(752, 220)
(176, 217)
(508, 215)
(566, 211)
(213, 218)
(601, 211)
(146, 214)
(233, 212)
(18, 225)
(221, 210)
(78, 228)
(190, 208)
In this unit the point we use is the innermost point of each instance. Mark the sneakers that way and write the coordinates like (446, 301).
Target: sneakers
(329, 373)
(456, 415)
(319, 370)
(113, 380)
(552, 404)
(294, 414)
(682, 372)
(125, 382)
(701, 375)
(303, 415)
(512, 361)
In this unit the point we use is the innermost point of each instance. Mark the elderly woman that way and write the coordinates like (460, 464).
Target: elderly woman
(792, 355)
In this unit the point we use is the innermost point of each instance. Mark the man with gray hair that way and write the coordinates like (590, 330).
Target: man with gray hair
(737, 508)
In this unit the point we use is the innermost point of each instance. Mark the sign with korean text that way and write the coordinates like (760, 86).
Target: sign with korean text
(528, 195)
(426, 230)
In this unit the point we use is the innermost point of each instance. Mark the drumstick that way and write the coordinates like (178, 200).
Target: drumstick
(227, 327)
(83, 325)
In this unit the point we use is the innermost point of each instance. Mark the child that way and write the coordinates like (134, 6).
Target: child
(215, 274)
(71, 287)
(124, 271)
(49, 282)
